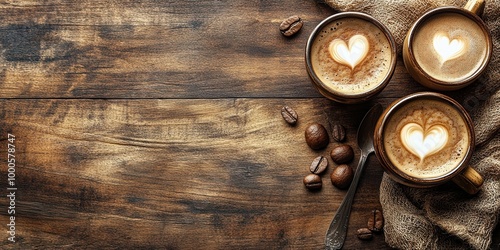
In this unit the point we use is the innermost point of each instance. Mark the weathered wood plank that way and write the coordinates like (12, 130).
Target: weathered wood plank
(187, 49)
(179, 174)
(153, 49)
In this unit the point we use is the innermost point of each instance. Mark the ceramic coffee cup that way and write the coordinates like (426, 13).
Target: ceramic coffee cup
(448, 48)
(350, 57)
(426, 139)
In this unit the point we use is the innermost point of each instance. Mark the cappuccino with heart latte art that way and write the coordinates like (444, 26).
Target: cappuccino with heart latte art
(426, 138)
(450, 47)
(351, 56)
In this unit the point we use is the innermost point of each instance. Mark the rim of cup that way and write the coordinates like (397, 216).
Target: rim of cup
(450, 9)
(400, 175)
(324, 89)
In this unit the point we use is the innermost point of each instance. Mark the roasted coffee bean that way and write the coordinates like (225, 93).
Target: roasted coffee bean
(319, 165)
(342, 154)
(312, 181)
(291, 25)
(364, 234)
(338, 133)
(289, 115)
(316, 136)
(376, 221)
(341, 176)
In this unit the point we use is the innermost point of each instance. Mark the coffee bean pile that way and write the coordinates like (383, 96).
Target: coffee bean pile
(317, 138)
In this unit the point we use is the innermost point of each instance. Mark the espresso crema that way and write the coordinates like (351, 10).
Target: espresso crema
(450, 47)
(351, 56)
(426, 138)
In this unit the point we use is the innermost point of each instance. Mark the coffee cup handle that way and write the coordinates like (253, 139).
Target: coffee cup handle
(469, 180)
(475, 6)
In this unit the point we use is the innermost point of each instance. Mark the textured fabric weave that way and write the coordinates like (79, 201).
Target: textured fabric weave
(444, 217)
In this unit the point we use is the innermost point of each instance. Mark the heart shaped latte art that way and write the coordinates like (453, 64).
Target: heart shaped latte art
(446, 49)
(350, 55)
(423, 144)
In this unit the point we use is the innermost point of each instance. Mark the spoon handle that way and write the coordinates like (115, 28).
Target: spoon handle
(335, 236)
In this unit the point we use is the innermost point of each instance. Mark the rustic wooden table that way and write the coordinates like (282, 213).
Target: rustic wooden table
(156, 125)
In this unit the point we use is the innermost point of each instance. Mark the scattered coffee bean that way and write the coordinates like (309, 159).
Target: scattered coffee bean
(364, 234)
(341, 176)
(338, 133)
(291, 25)
(376, 221)
(342, 154)
(316, 136)
(289, 115)
(312, 181)
(319, 165)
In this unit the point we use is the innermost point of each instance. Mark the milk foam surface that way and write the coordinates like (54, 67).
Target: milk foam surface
(429, 115)
(454, 37)
(368, 73)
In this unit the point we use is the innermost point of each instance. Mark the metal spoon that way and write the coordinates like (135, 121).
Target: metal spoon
(335, 236)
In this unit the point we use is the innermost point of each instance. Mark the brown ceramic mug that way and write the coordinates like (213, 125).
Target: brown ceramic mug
(448, 48)
(426, 139)
(350, 57)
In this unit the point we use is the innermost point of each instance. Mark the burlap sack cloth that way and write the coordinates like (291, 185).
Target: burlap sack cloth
(444, 217)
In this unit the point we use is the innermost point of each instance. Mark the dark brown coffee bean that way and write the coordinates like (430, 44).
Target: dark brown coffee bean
(342, 154)
(291, 25)
(316, 136)
(289, 115)
(341, 176)
(364, 234)
(319, 165)
(338, 133)
(376, 221)
(312, 181)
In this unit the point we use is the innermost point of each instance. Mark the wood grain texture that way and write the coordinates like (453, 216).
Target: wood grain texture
(152, 49)
(156, 49)
(156, 125)
(179, 174)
